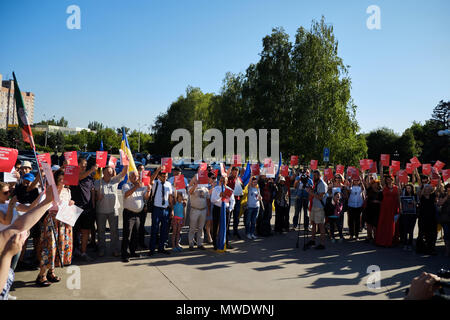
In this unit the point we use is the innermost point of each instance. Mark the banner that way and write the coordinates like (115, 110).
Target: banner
(328, 172)
(284, 171)
(167, 164)
(439, 165)
(43, 157)
(409, 168)
(203, 177)
(255, 169)
(71, 158)
(426, 169)
(385, 160)
(178, 182)
(415, 162)
(71, 175)
(123, 158)
(396, 164)
(294, 161)
(340, 169)
(112, 162)
(8, 158)
(100, 158)
(403, 176)
(68, 214)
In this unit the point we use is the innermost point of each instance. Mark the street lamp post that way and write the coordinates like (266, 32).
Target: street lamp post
(139, 137)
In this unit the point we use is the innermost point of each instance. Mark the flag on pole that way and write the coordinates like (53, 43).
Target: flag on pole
(279, 166)
(22, 118)
(101, 145)
(248, 172)
(125, 147)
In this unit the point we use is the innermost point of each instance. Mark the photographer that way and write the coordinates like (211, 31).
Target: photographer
(302, 182)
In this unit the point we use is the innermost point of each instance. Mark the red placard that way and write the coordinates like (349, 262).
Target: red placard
(446, 174)
(167, 164)
(236, 160)
(216, 172)
(350, 171)
(294, 161)
(145, 177)
(268, 162)
(439, 165)
(255, 169)
(100, 158)
(396, 164)
(71, 158)
(373, 167)
(385, 160)
(409, 168)
(202, 166)
(112, 162)
(328, 172)
(228, 192)
(403, 176)
(434, 182)
(426, 169)
(123, 158)
(8, 158)
(355, 174)
(44, 157)
(179, 183)
(71, 175)
(284, 170)
(313, 164)
(340, 169)
(415, 162)
(203, 177)
(393, 170)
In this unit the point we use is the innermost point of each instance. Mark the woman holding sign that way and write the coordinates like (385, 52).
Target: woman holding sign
(48, 259)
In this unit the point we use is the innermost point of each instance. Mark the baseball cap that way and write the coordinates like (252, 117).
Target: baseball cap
(29, 177)
(27, 164)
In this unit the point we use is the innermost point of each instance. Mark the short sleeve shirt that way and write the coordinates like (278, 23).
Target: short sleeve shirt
(321, 188)
(109, 203)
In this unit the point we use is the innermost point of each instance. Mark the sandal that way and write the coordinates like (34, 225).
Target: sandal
(52, 277)
(41, 282)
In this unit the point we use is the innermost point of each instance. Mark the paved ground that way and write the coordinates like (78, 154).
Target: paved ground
(266, 268)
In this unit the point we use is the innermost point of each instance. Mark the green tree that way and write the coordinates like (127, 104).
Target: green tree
(95, 126)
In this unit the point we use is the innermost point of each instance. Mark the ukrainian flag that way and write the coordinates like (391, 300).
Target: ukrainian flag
(125, 147)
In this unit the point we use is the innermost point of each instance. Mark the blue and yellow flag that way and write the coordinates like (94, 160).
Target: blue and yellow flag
(221, 238)
(125, 147)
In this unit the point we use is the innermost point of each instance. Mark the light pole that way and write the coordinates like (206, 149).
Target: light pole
(139, 136)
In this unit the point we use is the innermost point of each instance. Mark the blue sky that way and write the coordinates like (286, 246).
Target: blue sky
(131, 59)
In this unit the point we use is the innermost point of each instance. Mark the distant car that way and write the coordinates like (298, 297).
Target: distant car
(183, 163)
(155, 158)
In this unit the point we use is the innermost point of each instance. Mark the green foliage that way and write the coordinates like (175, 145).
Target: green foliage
(60, 123)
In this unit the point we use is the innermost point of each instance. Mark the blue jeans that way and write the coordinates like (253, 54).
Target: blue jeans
(236, 211)
(250, 222)
(159, 216)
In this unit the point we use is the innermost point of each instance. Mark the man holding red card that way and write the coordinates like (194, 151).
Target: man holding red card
(217, 197)
(107, 206)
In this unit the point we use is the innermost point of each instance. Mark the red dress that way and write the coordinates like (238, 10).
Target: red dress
(386, 225)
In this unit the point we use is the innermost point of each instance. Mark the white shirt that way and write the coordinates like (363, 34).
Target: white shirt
(136, 201)
(168, 190)
(238, 188)
(217, 200)
(355, 200)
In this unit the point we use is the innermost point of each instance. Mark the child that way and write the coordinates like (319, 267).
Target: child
(334, 211)
(177, 222)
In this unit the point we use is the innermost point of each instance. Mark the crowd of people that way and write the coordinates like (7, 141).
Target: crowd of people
(386, 208)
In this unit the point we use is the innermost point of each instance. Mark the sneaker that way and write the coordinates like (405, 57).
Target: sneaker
(86, 258)
(320, 247)
(10, 297)
(254, 237)
(249, 236)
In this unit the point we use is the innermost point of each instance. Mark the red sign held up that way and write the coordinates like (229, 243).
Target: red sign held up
(203, 177)
(294, 161)
(426, 169)
(71, 158)
(284, 170)
(340, 169)
(71, 175)
(44, 157)
(403, 176)
(8, 158)
(415, 162)
(237, 162)
(328, 172)
(314, 164)
(373, 167)
(255, 169)
(123, 158)
(112, 162)
(167, 164)
(385, 160)
(409, 168)
(396, 164)
(439, 165)
(179, 182)
(446, 174)
(100, 158)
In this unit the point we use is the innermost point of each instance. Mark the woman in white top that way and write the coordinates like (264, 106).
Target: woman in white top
(355, 206)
